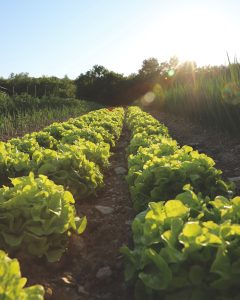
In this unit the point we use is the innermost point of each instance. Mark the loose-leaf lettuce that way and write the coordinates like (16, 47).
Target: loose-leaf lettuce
(12, 284)
(37, 215)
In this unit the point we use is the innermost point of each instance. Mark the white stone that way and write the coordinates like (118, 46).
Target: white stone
(120, 171)
(129, 222)
(235, 179)
(105, 210)
(104, 273)
(81, 290)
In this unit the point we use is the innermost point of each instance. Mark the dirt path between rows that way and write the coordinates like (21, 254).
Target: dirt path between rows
(222, 147)
(92, 268)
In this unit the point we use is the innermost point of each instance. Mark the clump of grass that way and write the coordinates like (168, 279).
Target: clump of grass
(18, 116)
(210, 95)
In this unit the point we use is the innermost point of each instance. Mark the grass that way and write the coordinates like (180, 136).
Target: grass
(18, 119)
(209, 95)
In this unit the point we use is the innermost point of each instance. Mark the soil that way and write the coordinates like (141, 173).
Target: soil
(93, 266)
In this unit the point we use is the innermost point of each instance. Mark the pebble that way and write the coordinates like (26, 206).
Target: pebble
(103, 273)
(105, 210)
(49, 291)
(129, 222)
(235, 179)
(68, 279)
(81, 290)
(120, 171)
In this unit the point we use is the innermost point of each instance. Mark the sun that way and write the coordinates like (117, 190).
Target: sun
(197, 35)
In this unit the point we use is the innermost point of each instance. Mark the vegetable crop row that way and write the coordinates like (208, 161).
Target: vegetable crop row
(37, 215)
(71, 153)
(187, 233)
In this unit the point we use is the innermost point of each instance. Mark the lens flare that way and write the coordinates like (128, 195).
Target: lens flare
(171, 73)
(148, 98)
(231, 93)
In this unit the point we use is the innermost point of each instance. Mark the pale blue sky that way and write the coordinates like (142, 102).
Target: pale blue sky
(58, 37)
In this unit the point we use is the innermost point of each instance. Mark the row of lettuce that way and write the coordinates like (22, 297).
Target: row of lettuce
(51, 169)
(186, 237)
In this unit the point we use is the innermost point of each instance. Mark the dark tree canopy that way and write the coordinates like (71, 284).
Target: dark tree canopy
(39, 87)
(149, 66)
(102, 85)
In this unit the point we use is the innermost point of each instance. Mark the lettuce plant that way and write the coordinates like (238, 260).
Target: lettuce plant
(98, 153)
(25, 144)
(186, 248)
(45, 140)
(163, 178)
(12, 284)
(70, 169)
(13, 162)
(37, 216)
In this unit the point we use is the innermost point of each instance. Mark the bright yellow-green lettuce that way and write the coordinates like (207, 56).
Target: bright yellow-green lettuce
(158, 168)
(69, 168)
(12, 284)
(73, 153)
(186, 248)
(12, 162)
(37, 216)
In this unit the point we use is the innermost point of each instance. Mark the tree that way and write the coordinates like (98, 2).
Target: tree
(150, 66)
(97, 72)
(100, 84)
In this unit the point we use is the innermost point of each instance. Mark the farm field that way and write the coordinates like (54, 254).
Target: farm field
(120, 150)
(115, 162)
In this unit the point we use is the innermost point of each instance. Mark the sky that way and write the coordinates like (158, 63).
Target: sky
(69, 37)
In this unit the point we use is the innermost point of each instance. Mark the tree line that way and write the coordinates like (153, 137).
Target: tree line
(104, 86)
(22, 83)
